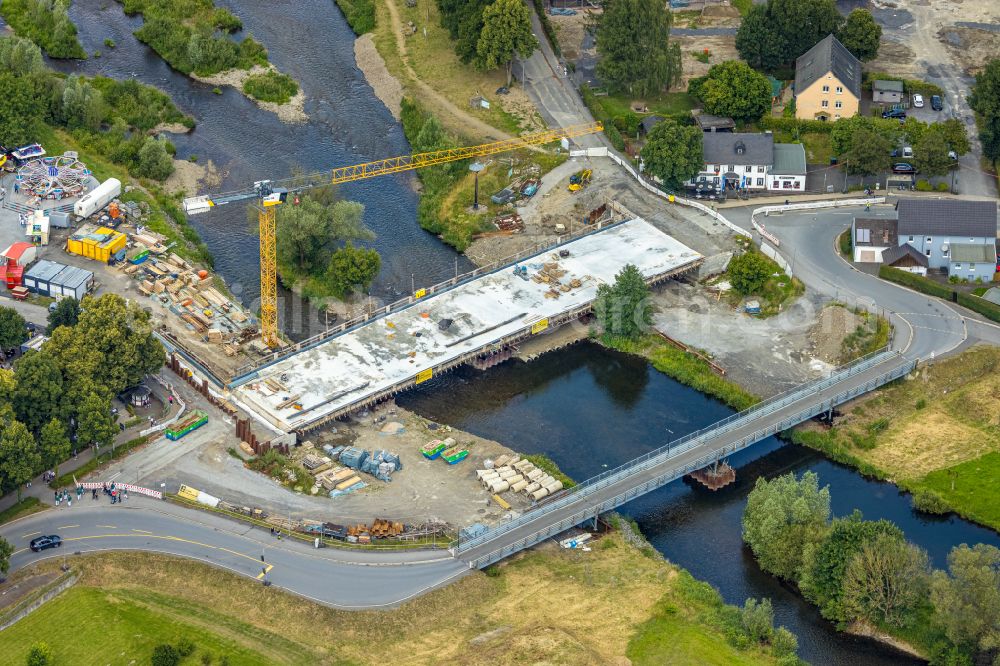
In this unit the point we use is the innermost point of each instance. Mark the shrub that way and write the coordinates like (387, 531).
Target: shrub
(929, 501)
(924, 186)
(784, 643)
(165, 655)
(749, 272)
(550, 33)
(943, 187)
(757, 620)
(271, 86)
(914, 281)
(980, 305)
(110, 43)
(921, 403)
(40, 654)
(360, 15)
(185, 647)
(46, 23)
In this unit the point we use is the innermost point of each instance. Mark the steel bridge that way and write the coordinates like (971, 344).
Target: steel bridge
(692, 452)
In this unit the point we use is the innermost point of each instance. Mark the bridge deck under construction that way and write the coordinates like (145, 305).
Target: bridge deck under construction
(451, 327)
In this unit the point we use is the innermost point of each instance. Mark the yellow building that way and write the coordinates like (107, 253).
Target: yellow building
(99, 243)
(827, 82)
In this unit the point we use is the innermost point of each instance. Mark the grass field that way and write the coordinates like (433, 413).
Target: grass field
(544, 606)
(25, 507)
(665, 104)
(929, 432)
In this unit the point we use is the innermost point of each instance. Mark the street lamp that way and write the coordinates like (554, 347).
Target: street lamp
(475, 168)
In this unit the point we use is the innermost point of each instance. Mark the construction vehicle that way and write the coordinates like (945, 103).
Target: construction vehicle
(271, 193)
(579, 180)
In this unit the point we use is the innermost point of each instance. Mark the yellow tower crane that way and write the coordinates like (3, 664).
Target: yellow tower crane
(270, 193)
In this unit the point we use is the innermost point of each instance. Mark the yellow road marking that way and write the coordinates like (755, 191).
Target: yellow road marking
(266, 570)
(110, 527)
(134, 529)
(165, 538)
(66, 527)
(25, 536)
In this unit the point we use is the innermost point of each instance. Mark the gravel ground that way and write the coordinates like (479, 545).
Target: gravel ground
(387, 87)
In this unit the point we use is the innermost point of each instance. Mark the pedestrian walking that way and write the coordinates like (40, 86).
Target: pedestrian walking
(69, 501)
(93, 493)
(56, 497)
(125, 495)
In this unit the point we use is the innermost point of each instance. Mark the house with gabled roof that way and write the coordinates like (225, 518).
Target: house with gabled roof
(827, 82)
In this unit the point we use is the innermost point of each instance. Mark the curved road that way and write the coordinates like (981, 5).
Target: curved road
(926, 327)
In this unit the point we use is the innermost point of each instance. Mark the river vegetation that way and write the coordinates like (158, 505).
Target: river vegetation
(935, 435)
(315, 249)
(193, 36)
(656, 613)
(46, 23)
(360, 14)
(271, 86)
(864, 576)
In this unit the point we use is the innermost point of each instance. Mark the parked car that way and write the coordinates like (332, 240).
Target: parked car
(903, 167)
(894, 113)
(936, 102)
(41, 543)
(918, 101)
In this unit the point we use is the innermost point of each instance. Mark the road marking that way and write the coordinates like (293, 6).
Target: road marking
(114, 476)
(266, 570)
(255, 560)
(66, 527)
(25, 536)
(109, 527)
(142, 531)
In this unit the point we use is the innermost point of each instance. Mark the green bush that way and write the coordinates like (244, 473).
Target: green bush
(46, 23)
(547, 28)
(792, 124)
(943, 187)
(165, 655)
(980, 305)
(185, 647)
(924, 186)
(913, 281)
(844, 242)
(271, 86)
(929, 501)
(360, 15)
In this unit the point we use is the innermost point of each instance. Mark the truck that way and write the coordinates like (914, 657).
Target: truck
(97, 198)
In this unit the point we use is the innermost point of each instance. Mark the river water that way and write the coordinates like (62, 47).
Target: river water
(591, 409)
(311, 41)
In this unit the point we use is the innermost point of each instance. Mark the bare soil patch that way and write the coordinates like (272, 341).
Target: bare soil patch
(570, 31)
(971, 48)
(721, 48)
(387, 87)
(827, 336)
(191, 177)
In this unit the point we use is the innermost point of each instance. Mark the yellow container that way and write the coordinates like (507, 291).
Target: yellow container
(95, 248)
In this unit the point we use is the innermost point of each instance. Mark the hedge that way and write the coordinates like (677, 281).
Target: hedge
(911, 86)
(547, 28)
(975, 303)
(772, 123)
(610, 131)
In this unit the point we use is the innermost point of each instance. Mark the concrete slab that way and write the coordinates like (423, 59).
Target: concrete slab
(394, 349)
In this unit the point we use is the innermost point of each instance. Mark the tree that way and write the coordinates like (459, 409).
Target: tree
(930, 155)
(153, 160)
(21, 112)
(67, 313)
(784, 643)
(464, 21)
(80, 366)
(19, 457)
(13, 329)
(861, 34)
(165, 655)
(351, 268)
(96, 424)
(757, 619)
(758, 41)
(6, 550)
(38, 389)
(822, 580)
(781, 518)
(623, 308)
(749, 272)
(803, 23)
(633, 42)
(506, 32)
(40, 654)
(954, 134)
(735, 90)
(20, 56)
(122, 333)
(985, 101)
(966, 599)
(302, 233)
(673, 152)
(885, 581)
(869, 153)
(83, 105)
(54, 444)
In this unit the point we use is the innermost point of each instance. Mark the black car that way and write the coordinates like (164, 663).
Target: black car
(936, 102)
(894, 113)
(43, 542)
(903, 167)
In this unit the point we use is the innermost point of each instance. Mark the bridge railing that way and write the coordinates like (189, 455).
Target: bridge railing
(588, 512)
(681, 445)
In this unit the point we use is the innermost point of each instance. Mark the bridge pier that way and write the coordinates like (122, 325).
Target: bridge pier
(718, 475)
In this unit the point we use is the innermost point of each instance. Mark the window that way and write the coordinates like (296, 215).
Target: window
(826, 88)
(836, 116)
(760, 182)
(786, 184)
(944, 252)
(760, 169)
(927, 252)
(840, 89)
(724, 168)
(824, 103)
(749, 169)
(958, 267)
(911, 239)
(972, 268)
(838, 104)
(930, 240)
(774, 185)
(798, 185)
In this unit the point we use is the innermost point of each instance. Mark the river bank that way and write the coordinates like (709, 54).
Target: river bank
(292, 111)
(547, 605)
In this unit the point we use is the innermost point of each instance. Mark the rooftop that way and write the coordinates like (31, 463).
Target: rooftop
(875, 232)
(649, 122)
(888, 86)
(44, 270)
(974, 253)
(947, 217)
(738, 148)
(450, 325)
(710, 123)
(789, 159)
(828, 55)
(893, 254)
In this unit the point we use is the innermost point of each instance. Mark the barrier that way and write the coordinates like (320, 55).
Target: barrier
(132, 488)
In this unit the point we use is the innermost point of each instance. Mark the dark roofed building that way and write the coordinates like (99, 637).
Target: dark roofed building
(710, 123)
(905, 257)
(945, 231)
(827, 82)
(647, 124)
(743, 160)
(871, 237)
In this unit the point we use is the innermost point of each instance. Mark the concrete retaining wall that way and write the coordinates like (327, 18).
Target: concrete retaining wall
(37, 603)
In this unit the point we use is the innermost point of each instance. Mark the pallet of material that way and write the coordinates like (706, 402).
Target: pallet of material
(198, 326)
(174, 258)
(344, 485)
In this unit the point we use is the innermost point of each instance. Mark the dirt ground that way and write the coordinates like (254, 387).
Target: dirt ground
(191, 177)
(387, 87)
(423, 491)
(721, 48)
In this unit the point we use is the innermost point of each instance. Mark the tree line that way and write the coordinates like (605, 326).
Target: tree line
(865, 143)
(864, 571)
(107, 116)
(46, 23)
(985, 101)
(61, 394)
(489, 33)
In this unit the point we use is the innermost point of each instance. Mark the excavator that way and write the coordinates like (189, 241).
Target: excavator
(271, 193)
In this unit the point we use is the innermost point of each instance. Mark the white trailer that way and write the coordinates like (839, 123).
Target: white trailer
(97, 198)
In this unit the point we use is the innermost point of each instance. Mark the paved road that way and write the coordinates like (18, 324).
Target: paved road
(344, 579)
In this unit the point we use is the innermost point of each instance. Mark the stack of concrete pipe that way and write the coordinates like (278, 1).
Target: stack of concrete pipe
(519, 476)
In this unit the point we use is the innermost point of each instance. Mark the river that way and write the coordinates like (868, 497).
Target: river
(311, 41)
(590, 409)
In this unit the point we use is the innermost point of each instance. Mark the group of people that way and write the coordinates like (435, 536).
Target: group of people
(117, 495)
